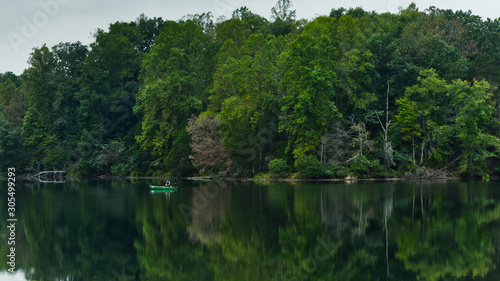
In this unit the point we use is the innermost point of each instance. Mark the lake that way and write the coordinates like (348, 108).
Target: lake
(216, 230)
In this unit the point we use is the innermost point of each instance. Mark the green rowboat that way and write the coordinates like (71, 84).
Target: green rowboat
(167, 188)
(161, 191)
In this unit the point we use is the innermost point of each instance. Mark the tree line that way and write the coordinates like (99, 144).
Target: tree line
(354, 93)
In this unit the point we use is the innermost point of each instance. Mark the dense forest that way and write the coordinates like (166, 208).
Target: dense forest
(354, 93)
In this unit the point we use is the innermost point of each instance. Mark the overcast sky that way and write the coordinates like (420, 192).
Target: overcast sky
(26, 24)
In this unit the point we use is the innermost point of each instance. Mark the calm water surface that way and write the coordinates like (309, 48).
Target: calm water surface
(118, 230)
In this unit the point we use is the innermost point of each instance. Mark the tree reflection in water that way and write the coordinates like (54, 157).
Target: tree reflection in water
(258, 231)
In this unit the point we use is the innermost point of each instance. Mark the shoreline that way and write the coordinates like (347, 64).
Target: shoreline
(394, 179)
(214, 178)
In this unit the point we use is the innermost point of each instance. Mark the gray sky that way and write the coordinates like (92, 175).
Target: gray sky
(26, 24)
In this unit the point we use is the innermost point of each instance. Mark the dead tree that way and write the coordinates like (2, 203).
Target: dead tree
(388, 152)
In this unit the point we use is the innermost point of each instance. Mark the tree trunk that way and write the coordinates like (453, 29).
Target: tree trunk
(361, 144)
(321, 156)
(260, 160)
(422, 154)
(423, 145)
(385, 128)
(413, 148)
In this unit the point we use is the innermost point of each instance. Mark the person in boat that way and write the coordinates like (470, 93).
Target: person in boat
(167, 184)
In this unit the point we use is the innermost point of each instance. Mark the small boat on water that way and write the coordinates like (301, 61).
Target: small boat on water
(161, 191)
(163, 188)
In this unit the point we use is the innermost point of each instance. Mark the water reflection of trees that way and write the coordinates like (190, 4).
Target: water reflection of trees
(164, 248)
(376, 231)
(206, 220)
(452, 236)
(246, 231)
(70, 236)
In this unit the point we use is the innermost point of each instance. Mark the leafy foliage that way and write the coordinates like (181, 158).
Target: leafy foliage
(307, 104)
(278, 88)
(279, 167)
(363, 167)
(309, 167)
(454, 127)
(178, 162)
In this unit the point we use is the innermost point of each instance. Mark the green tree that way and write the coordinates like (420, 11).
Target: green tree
(13, 107)
(309, 167)
(10, 75)
(7, 92)
(40, 80)
(431, 116)
(176, 74)
(457, 125)
(253, 21)
(474, 114)
(69, 60)
(150, 29)
(109, 82)
(430, 41)
(283, 18)
(178, 161)
(279, 167)
(407, 119)
(235, 29)
(12, 153)
(307, 104)
(355, 73)
(249, 116)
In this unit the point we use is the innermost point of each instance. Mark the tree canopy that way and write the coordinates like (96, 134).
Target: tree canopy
(280, 89)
